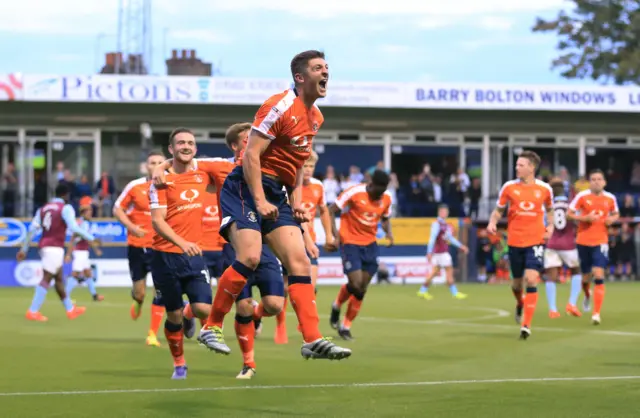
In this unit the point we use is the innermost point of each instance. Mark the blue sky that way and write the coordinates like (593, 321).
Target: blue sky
(486, 41)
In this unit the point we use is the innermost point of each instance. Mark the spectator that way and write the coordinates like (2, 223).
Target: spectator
(635, 175)
(437, 189)
(69, 181)
(331, 185)
(626, 253)
(628, 208)
(83, 187)
(40, 190)
(346, 182)
(393, 187)
(378, 166)
(460, 182)
(355, 176)
(59, 174)
(10, 192)
(581, 184)
(475, 193)
(105, 189)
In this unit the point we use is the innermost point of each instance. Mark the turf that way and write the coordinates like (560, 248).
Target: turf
(445, 358)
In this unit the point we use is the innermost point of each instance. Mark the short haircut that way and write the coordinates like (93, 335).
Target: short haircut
(313, 158)
(532, 157)
(380, 178)
(596, 171)
(232, 136)
(557, 186)
(177, 132)
(299, 62)
(443, 206)
(62, 190)
(155, 153)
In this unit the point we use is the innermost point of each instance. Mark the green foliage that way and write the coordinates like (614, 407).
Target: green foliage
(598, 39)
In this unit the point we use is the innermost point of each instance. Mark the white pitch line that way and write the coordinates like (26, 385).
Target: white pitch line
(325, 386)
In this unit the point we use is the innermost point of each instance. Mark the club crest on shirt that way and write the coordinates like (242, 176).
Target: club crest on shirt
(315, 127)
(198, 178)
(251, 216)
(537, 194)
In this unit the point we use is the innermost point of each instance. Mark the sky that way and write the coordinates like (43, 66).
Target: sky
(487, 41)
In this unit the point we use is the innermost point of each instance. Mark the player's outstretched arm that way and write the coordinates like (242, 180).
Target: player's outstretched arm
(69, 216)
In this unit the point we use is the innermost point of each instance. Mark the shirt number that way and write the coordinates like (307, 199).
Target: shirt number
(559, 219)
(46, 221)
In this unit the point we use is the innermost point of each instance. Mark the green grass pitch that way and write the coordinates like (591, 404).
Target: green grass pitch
(412, 358)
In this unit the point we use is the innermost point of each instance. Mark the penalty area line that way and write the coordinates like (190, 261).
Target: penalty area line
(326, 386)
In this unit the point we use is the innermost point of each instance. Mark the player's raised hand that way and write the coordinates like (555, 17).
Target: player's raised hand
(158, 177)
(21, 256)
(266, 210)
(191, 249)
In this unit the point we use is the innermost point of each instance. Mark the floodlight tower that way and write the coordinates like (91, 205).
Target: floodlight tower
(134, 37)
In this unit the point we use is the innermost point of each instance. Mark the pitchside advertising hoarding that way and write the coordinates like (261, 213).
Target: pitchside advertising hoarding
(250, 91)
(115, 272)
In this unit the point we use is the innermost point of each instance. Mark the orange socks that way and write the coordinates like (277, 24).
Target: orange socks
(352, 311)
(598, 296)
(303, 299)
(229, 287)
(157, 313)
(343, 296)
(245, 332)
(175, 337)
(530, 302)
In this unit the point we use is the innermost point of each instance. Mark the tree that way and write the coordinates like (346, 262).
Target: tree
(598, 39)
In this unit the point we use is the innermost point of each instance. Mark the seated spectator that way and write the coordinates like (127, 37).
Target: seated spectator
(628, 208)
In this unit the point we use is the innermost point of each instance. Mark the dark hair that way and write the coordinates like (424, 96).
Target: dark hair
(443, 206)
(62, 190)
(532, 157)
(299, 62)
(557, 186)
(596, 171)
(177, 132)
(232, 136)
(380, 178)
(155, 153)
